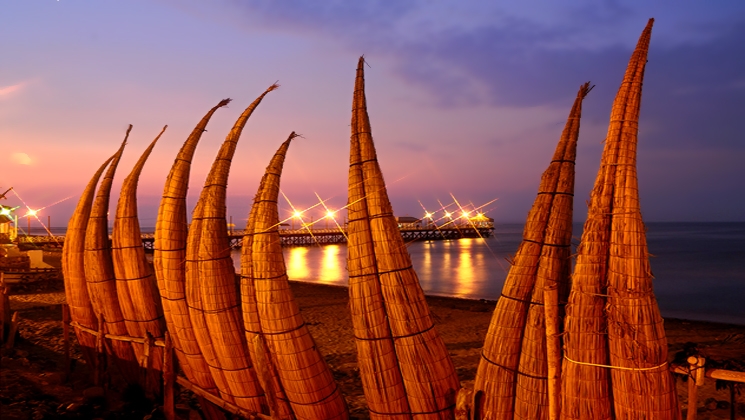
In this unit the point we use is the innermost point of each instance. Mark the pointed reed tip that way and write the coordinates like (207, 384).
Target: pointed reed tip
(224, 102)
(294, 135)
(585, 89)
(273, 86)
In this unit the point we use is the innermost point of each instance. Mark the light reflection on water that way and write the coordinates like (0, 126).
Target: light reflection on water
(467, 268)
(699, 268)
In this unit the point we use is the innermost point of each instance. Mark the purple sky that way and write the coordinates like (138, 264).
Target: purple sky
(466, 98)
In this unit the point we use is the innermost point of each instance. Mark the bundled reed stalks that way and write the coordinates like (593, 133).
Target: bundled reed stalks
(99, 274)
(643, 386)
(625, 339)
(428, 374)
(211, 290)
(171, 229)
(305, 378)
(554, 211)
(73, 269)
(135, 283)
(513, 372)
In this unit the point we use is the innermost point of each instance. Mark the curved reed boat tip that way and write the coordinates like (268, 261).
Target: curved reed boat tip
(168, 261)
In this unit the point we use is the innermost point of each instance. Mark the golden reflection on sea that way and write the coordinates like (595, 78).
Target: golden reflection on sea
(330, 268)
(297, 263)
(466, 273)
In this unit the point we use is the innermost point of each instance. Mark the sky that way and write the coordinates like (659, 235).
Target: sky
(467, 99)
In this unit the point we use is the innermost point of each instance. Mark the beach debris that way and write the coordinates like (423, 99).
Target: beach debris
(404, 365)
(272, 317)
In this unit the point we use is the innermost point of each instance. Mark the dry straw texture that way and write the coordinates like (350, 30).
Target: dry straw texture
(512, 377)
(376, 354)
(303, 373)
(171, 229)
(643, 387)
(135, 283)
(623, 333)
(73, 268)
(99, 274)
(276, 398)
(428, 374)
(211, 289)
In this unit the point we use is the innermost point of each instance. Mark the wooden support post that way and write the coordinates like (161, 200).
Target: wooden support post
(732, 402)
(169, 409)
(66, 338)
(695, 380)
(553, 349)
(4, 308)
(263, 373)
(146, 364)
(12, 332)
(99, 368)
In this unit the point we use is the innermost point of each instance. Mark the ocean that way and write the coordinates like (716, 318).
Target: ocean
(699, 268)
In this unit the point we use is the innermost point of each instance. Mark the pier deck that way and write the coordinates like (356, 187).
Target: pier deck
(304, 237)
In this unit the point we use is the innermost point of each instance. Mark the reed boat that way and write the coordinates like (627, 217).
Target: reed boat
(73, 268)
(211, 290)
(99, 274)
(405, 368)
(512, 379)
(171, 229)
(136, 288)
(295, 372)
(615, 359)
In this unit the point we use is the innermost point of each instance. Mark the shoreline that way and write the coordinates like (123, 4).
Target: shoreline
(462, 324)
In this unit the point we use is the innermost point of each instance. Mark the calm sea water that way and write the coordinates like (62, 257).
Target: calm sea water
(699, 268)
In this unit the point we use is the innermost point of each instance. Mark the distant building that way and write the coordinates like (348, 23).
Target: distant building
(7, 231)
(481, 221)
(408, 222)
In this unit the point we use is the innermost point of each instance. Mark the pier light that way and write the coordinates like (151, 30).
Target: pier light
(329, 215)
(296, 215)
(465, 214)
(428, 215)
(448, 214)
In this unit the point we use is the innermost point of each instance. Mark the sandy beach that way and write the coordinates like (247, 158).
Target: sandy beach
(32, 385)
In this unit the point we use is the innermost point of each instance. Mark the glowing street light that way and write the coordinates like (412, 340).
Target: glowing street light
(329, 215)
(296, 215)
(29, 214)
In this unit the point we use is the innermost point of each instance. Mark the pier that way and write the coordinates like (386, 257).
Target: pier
(306, 236)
